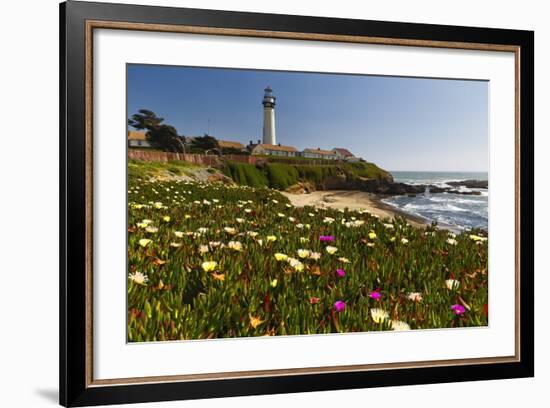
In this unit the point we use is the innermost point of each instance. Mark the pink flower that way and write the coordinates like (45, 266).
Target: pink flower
(313, 300)
(458, 309)
(326, 238)
(340, 273)
(339, 305)
(375, 295)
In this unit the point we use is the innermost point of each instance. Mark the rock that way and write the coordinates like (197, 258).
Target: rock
(470, 183)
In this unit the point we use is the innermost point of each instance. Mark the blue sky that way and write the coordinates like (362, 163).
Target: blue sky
(415, 124)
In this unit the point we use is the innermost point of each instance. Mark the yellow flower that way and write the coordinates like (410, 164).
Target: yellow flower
(344, 260)
(273, 283)
(175, 244)
(239, 220)
(271, 238)
(166, 218)
(152, 230)
(139, 278)
(280, 215)
(372, 235)
(255, 321)
(144, 242)
(281, 257)
(451, 241)
(158, 205)
(186, 216)
(477, 238)
(178, 234)
(303, 253)
(209, 266)
(296, 264)
(331, 250)
(404, 241)
(235, 245)
(379, 315)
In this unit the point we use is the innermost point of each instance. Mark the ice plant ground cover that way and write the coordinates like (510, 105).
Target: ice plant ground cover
(215, 261)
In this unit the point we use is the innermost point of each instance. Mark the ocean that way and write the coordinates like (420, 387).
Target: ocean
(457, 212)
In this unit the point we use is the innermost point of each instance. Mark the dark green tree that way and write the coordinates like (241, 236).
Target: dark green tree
(161, 136)
(204, 143)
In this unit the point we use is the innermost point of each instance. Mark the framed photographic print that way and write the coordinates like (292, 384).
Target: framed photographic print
(255, 204)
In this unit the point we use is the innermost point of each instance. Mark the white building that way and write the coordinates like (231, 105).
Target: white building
(269, 137)
(274, 150)
(319, 154)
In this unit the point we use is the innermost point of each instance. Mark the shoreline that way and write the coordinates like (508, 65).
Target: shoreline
(353, 200)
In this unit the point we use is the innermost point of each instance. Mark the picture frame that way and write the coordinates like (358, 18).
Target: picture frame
(79, 20)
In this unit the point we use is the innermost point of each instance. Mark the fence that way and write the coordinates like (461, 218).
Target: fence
(200, 159)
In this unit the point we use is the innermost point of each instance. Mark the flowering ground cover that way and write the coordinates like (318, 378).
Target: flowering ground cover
(215, 261)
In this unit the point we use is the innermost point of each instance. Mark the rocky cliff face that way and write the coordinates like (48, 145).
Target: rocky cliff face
(386, 186)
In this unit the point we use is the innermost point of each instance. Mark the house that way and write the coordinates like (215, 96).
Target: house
(227, 145)
(345, 154)
(319, 154)
(273, 150)
(137, 139)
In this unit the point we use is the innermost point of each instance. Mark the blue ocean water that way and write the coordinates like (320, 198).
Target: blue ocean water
(454, 211)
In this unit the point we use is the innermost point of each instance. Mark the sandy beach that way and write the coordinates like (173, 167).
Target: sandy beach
(354, 200)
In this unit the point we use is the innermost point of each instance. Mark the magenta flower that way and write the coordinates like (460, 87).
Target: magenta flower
(375, 295)
(458, 309)
(340, 273)
(339, 305)
(326, 238)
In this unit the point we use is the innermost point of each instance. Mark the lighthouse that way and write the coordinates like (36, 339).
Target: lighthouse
(269, 117)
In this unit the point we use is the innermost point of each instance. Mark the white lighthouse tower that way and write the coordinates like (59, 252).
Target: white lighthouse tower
(269, 117)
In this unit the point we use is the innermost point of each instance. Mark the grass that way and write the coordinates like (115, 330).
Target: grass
(215, 261)
(280, 176)
(147, 169)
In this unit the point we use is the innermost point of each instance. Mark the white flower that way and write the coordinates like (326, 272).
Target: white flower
(328, 220)
(344, 260)
(399, 325)
(239, 220)
(451, 241)
(404, 241)
(252, 234)
(331, 250)
(203, 249)
(139, 278)
(299, 226)
(452, 284)
(379, 315)
(415, 296)
(230, 230)
(315, 255)
(303, 253)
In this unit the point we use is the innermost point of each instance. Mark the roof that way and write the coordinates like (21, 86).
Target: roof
(344, 152)
(320, 151)
(227, 144)
(135, 135)
(279, 148)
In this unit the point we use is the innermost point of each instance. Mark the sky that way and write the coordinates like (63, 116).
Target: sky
(399, 123)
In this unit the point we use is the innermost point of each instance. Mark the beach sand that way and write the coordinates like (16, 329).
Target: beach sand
(353, 200)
